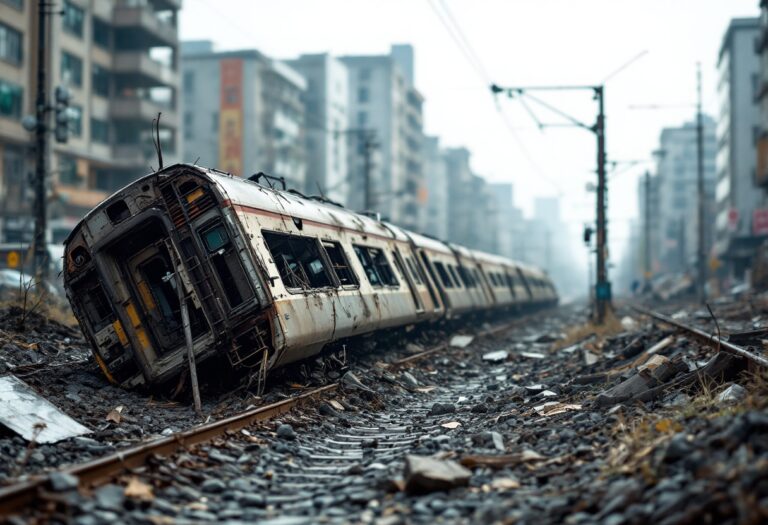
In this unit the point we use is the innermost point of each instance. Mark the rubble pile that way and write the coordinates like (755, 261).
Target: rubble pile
(543, 423)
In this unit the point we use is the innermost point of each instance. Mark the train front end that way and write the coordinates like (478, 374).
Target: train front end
(165, 240)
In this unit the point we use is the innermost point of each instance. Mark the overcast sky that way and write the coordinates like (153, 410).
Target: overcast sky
(518, 42)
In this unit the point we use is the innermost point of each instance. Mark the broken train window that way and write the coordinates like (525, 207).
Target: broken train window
(443, 275)
(299, 260)
(340, 263)
(226, 262)
(376, 266)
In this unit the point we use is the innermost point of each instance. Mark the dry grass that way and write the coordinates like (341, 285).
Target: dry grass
(578, 333)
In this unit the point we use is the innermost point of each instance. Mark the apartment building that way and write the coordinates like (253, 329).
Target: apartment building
(119, 61)
(244, 113)
(327, 132)
(383, 98)
(738, 129)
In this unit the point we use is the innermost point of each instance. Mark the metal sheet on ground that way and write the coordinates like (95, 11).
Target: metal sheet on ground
(23, 411)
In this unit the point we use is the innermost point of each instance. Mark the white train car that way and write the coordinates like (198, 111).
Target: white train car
(268, 276)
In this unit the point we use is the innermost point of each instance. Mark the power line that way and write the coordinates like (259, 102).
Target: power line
(483, 71)
(458, 37)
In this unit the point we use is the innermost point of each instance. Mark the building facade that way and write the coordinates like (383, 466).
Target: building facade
(737, 233)
(243, 113)
(434, 217)
(677, 172)
(119, 61)
(327, 131)
(383, 99)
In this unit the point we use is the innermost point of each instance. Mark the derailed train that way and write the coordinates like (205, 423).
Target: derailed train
(268, 276)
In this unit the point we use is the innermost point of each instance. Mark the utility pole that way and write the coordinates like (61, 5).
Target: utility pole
(41, 153)
(647, 231)
(702, 249)
(602, 285)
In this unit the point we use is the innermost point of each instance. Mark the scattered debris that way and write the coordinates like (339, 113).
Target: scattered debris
(533, 355)
(426, 474)
(115, 415)
(461, 341)
(497, 462)
(25, 412)
(496, 357)
(451, 425)
(553, 408)
(137, 489)
(732, 394)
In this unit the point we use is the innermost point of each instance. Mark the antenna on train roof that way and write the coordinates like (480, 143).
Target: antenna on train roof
(156, 140)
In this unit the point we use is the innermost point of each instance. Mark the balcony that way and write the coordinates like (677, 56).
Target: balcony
(138, 27)
(143, 70)
(142, 110)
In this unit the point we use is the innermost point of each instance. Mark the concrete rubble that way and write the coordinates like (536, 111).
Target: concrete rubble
(654, 428)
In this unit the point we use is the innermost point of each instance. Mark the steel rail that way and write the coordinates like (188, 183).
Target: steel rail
(17, 496)
(705, 338)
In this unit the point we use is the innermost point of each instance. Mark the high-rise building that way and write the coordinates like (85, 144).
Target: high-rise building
(761, 174)
(243, 113)
(737, 131)
(459, 177)
(383, 98)
(327, 130)
(434, 218)
(677, 171)
(508, 217)
(118, 59)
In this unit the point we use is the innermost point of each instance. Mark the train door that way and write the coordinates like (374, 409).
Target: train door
(525, 283)
(411, 286)
(152, 275)
(490, 295)
(434, 281)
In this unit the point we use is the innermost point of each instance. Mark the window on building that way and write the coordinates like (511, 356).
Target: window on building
(215, 122)
(299, 260)
(10, 45)
(99, 131)
(189, 120)
(443, 275)
(100, 78)
(188, 81)
(71, 70)
(364, 74)
(340, 264)
(72, 18)
(362, 119)
(10, 100)
(76, 120)
(18, 4)
(362, 94)
(68, 170)
(102, 33)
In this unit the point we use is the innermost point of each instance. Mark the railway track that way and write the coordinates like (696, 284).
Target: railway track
(705, 338)
(324, 461)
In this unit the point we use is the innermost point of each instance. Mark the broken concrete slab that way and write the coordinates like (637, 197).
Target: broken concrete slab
(461, 341)
(426, 474)
(732, 394)
(23, 411)
(496, 357)
(658, 370)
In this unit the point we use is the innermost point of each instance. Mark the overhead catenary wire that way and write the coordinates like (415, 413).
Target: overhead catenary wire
(461, 40)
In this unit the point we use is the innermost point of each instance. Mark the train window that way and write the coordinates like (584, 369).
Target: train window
(368, 267)
(225, 261)
(443, 275)
(466, 276)
(456, 281)
(340, 263)
(298, 260)
(414, 272)
(376, 266)
(492, 277)
(383, 267)
(475, 276)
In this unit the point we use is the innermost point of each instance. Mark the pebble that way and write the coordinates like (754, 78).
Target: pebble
(286, 431)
